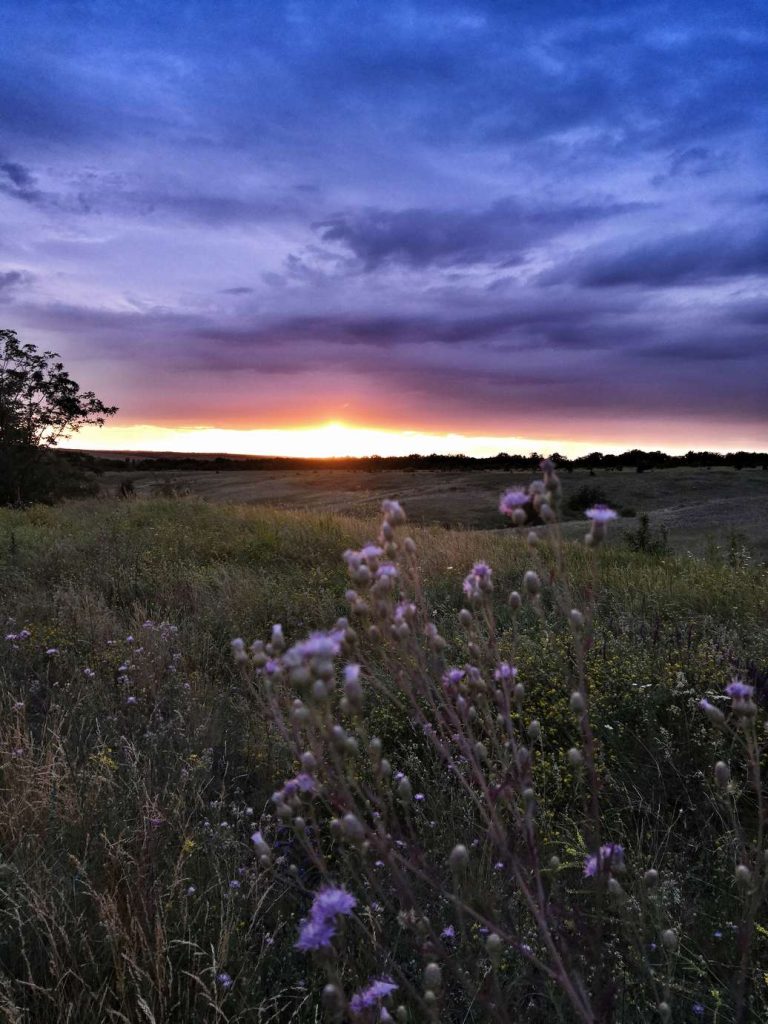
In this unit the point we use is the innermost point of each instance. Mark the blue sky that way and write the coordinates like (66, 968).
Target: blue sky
(541, 220)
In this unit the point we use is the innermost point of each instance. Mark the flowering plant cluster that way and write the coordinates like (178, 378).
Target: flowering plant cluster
(507, 897)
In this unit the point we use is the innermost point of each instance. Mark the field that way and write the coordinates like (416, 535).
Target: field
(700, 508)
(137, 759)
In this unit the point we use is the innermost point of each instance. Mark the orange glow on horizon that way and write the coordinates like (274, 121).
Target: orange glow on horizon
(338, 440)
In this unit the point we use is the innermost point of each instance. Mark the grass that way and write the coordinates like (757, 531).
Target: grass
(126, 824)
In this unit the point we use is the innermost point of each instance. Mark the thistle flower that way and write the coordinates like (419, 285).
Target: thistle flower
(739, 691)
(609, 857)
(371, 995)
(600, 514)
(512, 500)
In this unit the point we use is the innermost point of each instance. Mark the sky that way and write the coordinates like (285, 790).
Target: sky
(303, 227)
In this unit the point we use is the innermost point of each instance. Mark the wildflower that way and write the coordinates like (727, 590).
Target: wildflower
(512, 500)
(191, 890)
(131, 700)
(371, 995)
(610, 857)
(478, 581)
(739, 691)
(393, 512)
(315, 934)
(52, 651)
(234, 885)
(449, 933)
(224, 980)
(504, 672)
(318, 929)
(600, 514)
(698, 1009)
(419, 797)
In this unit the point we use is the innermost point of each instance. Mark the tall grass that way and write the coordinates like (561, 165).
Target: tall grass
(137, 761)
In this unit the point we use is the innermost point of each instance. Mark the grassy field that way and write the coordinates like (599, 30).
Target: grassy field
(700, 508)
(136, 759)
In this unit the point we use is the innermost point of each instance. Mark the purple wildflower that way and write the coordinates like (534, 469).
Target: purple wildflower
(698, 1009)
(371, 995)
(315, 934)
(318, 929)
(512, 500)
(504, 672)
(611, 856)
(449, 932)
(739, 691)
(600, 514)
(224, 979)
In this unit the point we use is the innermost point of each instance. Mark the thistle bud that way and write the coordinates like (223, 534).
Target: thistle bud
(465, 617)
(519, 691)
(404, 790)
(614, 887)
(578, 704)
(534, 730)
(743, 875)
(576, 618)
(352, 828)
(514, 600)
(533, 540)
(332, 1000)
(722, 774)
(433, 977)
(575, 757)
(459, 857)
(518, 516)
(665, 1011)
(494, 945)
(669, 938)
(308, 761)
(532, 583)
(651, 878)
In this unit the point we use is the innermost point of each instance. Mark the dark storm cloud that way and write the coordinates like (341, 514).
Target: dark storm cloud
(690, 258)
(503, 231)
(17, 181)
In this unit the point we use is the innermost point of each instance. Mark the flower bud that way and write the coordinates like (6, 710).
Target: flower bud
(514, 600)
(404, 790)
(465, 617)
(722, 774)
(332, 1000)
(614, 887)
(532, 583)
(519, 691)
(743, 875)
(308, 761)
(576, 618)
(575, 757)
(578, 704)
(481, 752)
(665, 1011)
(352, 828)
(651, 878)
(554, 862)
(459, 857)
(533, 540)
(494, 944)
(534, 730)
(669, 938)
(433, 977)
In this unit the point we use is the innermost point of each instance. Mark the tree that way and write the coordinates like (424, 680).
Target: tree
(40, 405)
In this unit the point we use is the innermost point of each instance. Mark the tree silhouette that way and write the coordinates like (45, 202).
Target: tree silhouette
(40, 405)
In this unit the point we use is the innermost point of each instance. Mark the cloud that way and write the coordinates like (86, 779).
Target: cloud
(17, 181)
(10, 280)
(693, 257)
(419, 237)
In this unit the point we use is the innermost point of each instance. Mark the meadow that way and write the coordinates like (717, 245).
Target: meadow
(699, 508)
(150, 872)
